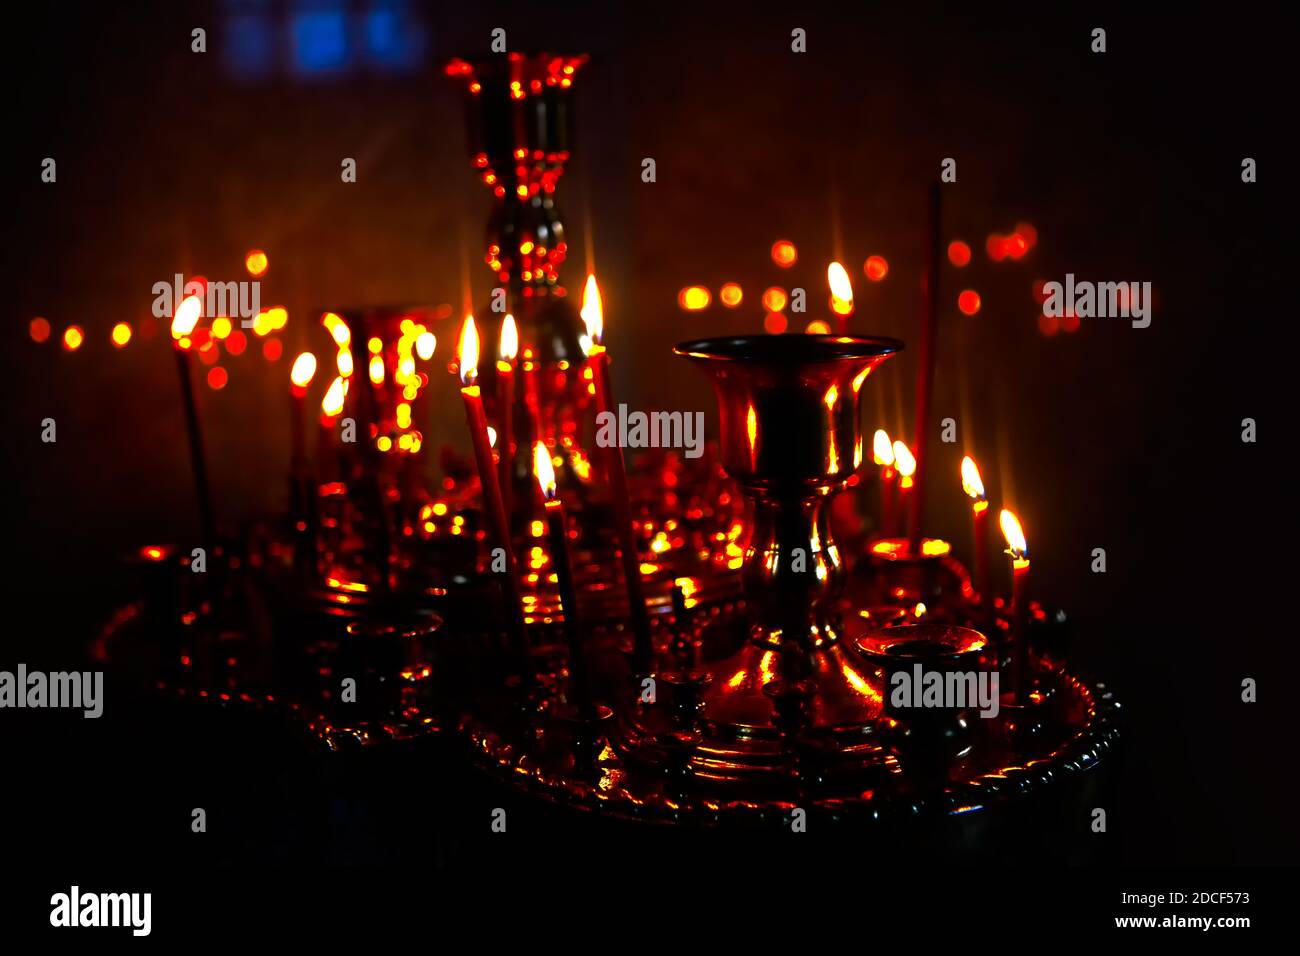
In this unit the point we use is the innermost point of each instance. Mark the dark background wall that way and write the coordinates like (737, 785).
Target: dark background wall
(1128, 164)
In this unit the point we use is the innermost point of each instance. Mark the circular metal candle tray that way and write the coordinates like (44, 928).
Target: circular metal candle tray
(629, 763)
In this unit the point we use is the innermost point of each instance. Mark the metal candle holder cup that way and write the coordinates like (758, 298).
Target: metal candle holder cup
(791, 438)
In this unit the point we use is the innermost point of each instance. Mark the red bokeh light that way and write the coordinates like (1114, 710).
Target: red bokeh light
(775, 323)
(969, 301)
(876, 268)
(958, 253)
(40, 329)
(217, 378)
(272, 349)
(784, 254)
(236, 342)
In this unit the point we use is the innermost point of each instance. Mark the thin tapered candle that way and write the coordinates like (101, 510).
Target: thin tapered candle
(300, 376)
(507, 350)
(557, 540)
(905, 464)
(925, 365)
(1018, 549)
(184, 321)
(492, 505)
(616, 475)
(882, 452)
(973, 485)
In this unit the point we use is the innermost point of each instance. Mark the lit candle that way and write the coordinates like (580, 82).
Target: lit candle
(882, 450)
(184, 321)
(905, 464)
(496, 514)
(300, 376)
(507, 349)
(973, 485)
(332, 406)
(1019, 551)
(598, 362)
(557, 540)
(841, 294)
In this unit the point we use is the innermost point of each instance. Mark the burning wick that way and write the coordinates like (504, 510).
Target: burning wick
(841, 294)
(973, 485)
(882, 451)
(184, 321)
(905, 464)
(507, 350)
(467, 358)
(1019, 551)
(598, 361)
(557, 540)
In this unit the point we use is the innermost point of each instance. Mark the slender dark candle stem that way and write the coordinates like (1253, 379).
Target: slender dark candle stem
(506, 426)
(1020, 631)
(498, 525)
(559, 546)
(198, 460)
(616, 475)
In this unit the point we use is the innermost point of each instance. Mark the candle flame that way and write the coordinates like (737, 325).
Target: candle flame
(187, 316)
(425, 343)
(593, 313)
(903, 460)
(841, 288)
(882, 449)
(304, 369)
(467, 351)
(508, 344)
(332, 403)
(339, 329)
(544, 470)
(1017, 547)
(971, 482)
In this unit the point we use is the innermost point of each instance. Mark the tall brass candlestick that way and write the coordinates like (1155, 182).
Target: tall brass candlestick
(616, 475)
(557, 540)
(496, 513)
